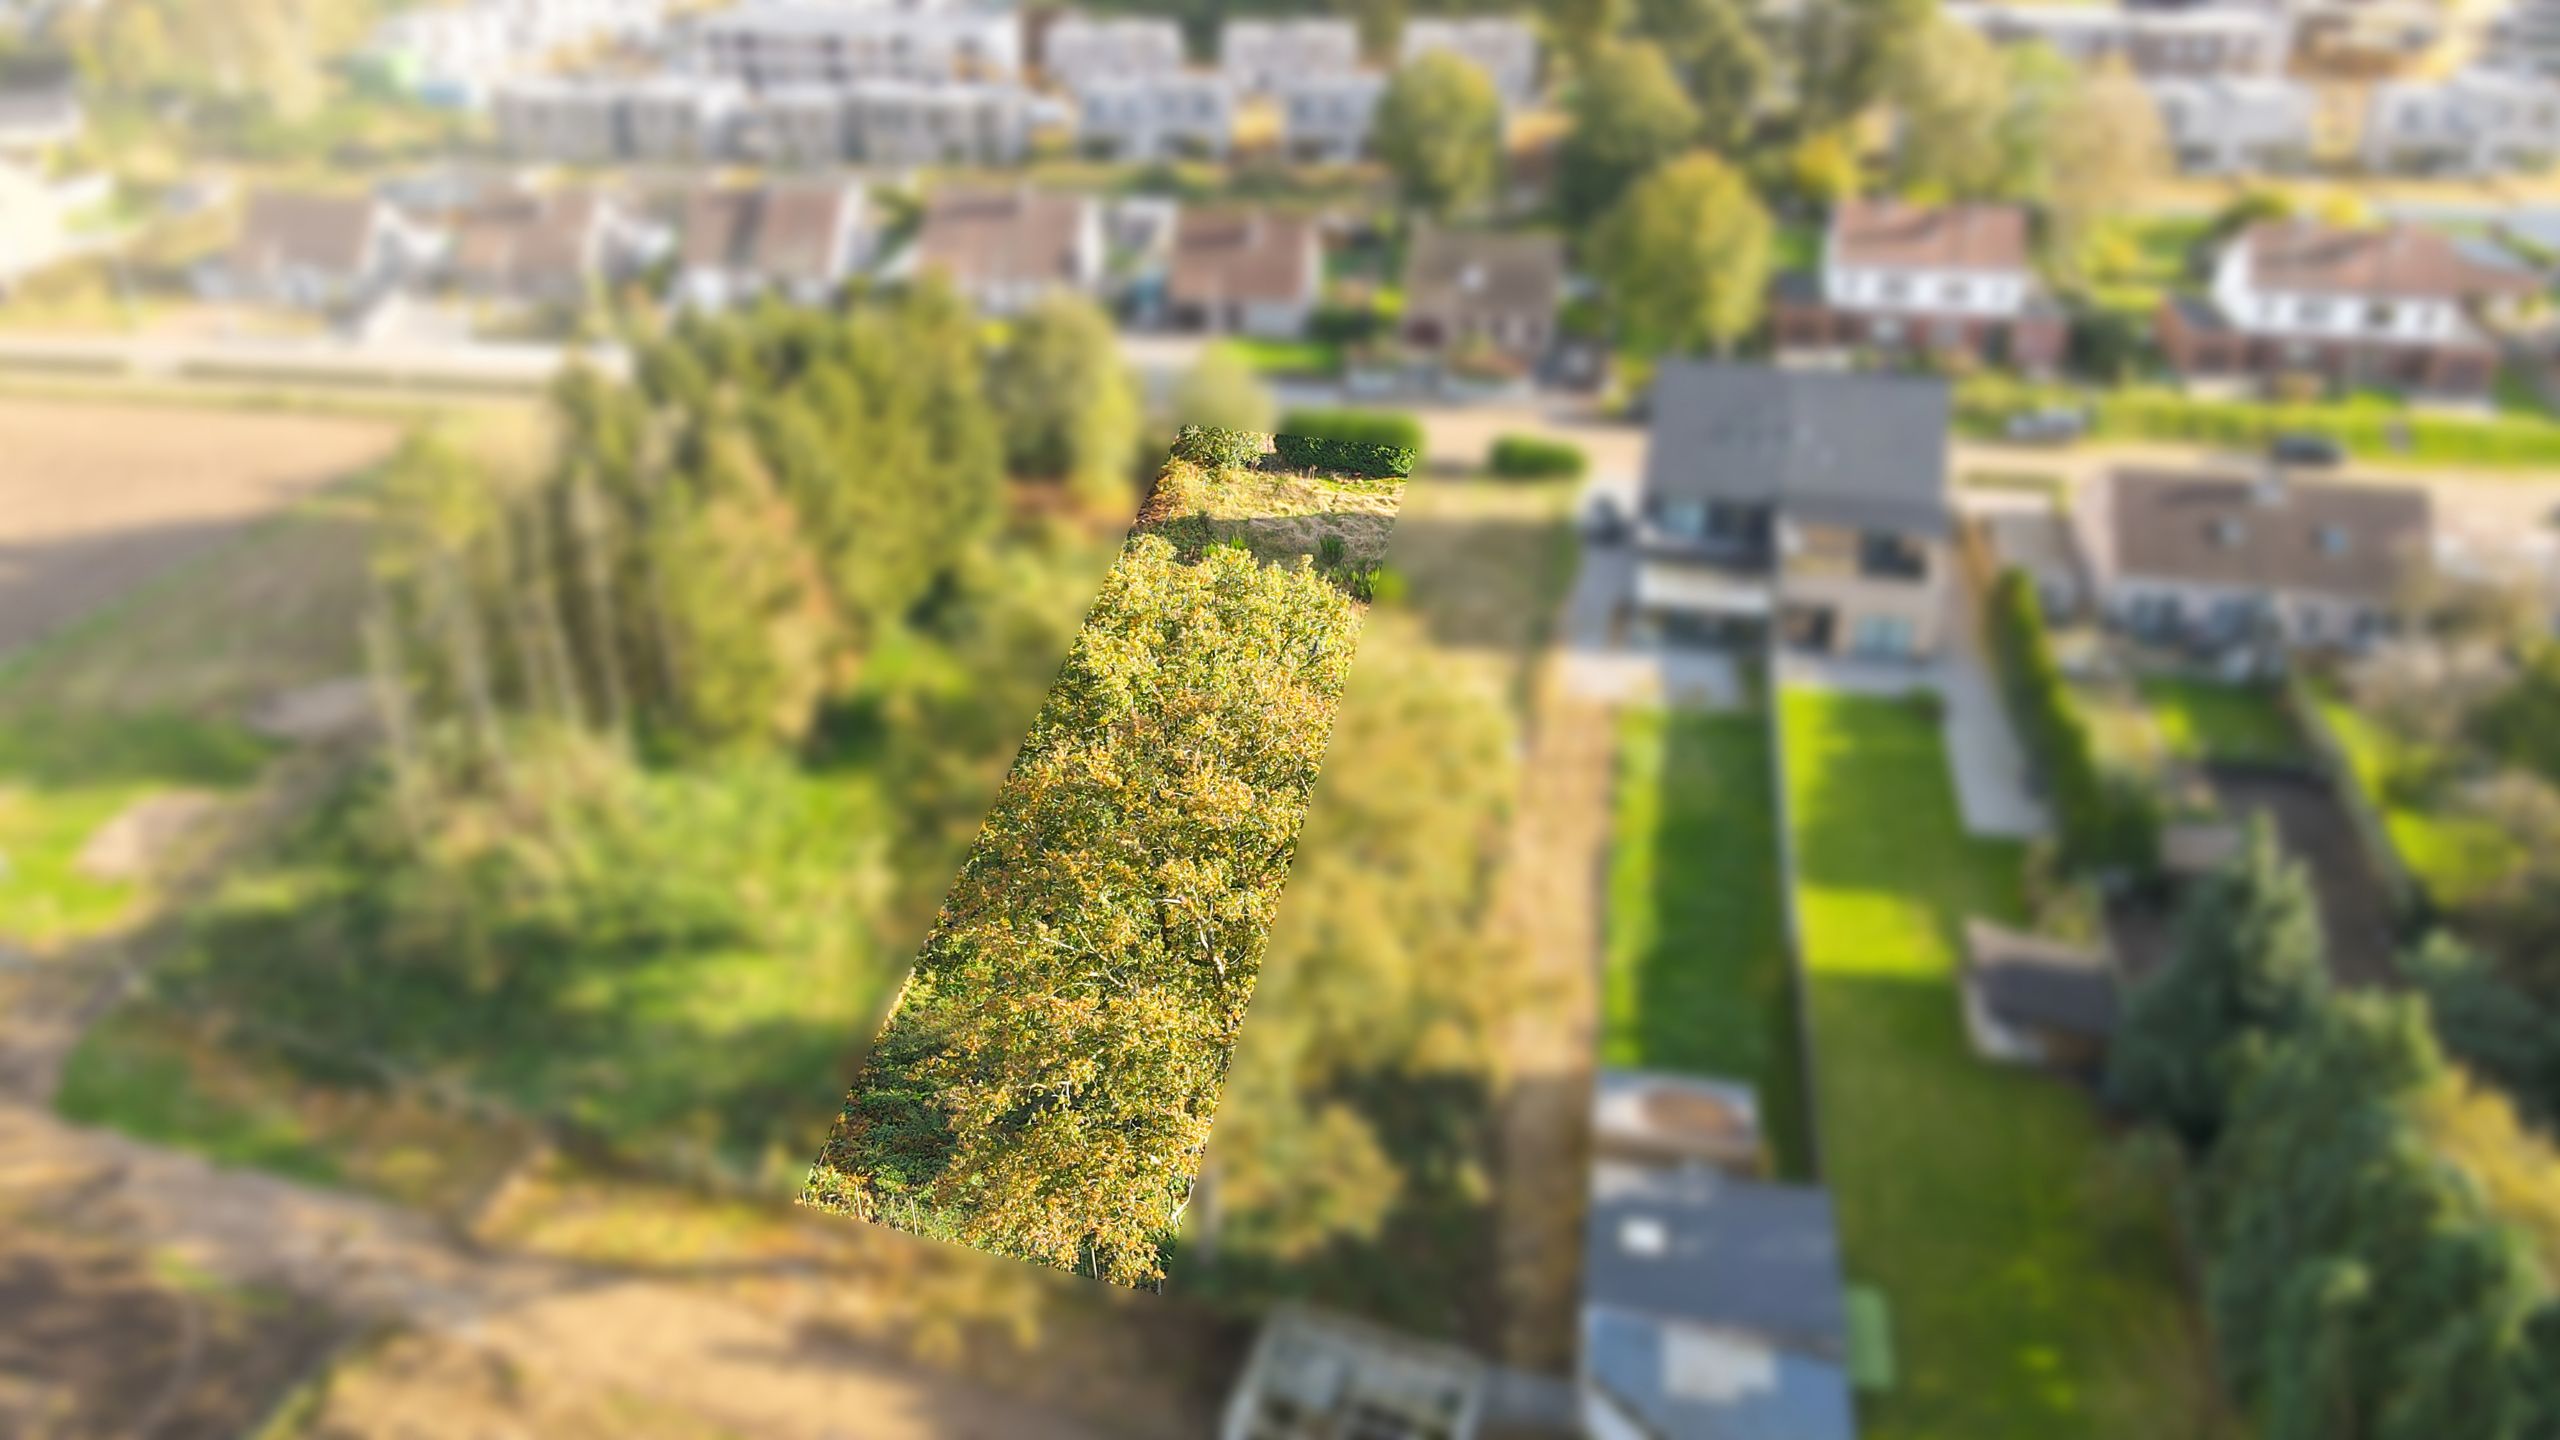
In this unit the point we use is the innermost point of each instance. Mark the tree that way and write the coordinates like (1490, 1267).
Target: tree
(1629, 115)
(2102, 145)
(1222, 389)
(1580, 27)
(2041, 83)
(1439, 129)
(1823, 168)
(2522, 724)
(1719, 53)
(2247, 968)
(1847, 54)
(1069, 408)
(1950, 91)
(1686, 256)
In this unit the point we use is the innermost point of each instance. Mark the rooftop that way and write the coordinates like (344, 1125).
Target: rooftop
(1844, 448)
(2307, 257)
(2287, 533)
(1890, 233)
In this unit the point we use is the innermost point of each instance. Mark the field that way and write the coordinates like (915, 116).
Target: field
(2204, 721)
(2030, 1270)
(1697, 974)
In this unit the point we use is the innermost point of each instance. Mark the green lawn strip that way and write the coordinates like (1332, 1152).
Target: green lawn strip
(2372, 427)
(2204, 720)
(2033, 1290)
(1287, 357)
(1697, 977)
(2458, 858)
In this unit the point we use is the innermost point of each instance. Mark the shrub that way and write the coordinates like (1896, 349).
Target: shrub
(1216, 447)
(1392, 429)
(1346, 456)
(1526, 457)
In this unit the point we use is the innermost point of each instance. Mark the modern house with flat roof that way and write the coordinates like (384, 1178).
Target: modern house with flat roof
(1809, 507)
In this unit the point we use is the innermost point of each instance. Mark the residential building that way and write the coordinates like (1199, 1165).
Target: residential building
(679, 118)
(39, 109)
(2225, 561)
(2201, 40)
(1156, 115)
(1006, 249)
(1506, 50)
(2035, 1000)
(1255, 271)
(1325, 115)
(1807, 506)
(769, 45)
(555, 247)
(321, 251)
(2477, 122)
(2397, 307)
(2367, 40)
(456, 55)
(1077, 51)
(1712, 1307)
(797, 125)
(2526, 39)
(1477, 290)
(895, 122)
(2235, 125)
(1270, 57)
(1314, 1376)
(1907, 279)
(798, 241)
(572, 121)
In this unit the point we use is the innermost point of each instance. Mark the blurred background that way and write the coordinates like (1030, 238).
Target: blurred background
(1941, 828)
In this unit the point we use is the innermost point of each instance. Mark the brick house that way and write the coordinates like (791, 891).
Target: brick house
(2397, 307)
(1914, 280)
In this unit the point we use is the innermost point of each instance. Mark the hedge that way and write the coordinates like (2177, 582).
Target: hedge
(1390, 428)
(1528, 457)
(2102, 824)
(1217, 447)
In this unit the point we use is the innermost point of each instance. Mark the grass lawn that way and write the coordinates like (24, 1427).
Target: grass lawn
(1696, 978)
(2203, 720)
(2031, 1273)
(1288, 357)
(2458, 858)
(2369, 426)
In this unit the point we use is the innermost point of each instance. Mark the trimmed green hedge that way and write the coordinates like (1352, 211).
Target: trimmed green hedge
(2101, 824)
(1216, 447)
(1529, 457)
(1390, 428)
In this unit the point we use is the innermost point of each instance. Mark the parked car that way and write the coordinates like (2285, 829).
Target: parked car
(2308, 449)
(2047, 425)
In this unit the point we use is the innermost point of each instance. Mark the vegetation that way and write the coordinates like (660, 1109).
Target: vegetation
(1531, 457)
(1686, 257)
(2460, 856)
(1439, 130)
(1223, 391)
(1698, 978)
(2030, 1271)
(1356, 442)
(1721, 59)
(1046, 1084)
(2203, 720)
(1629, 115)
(2102, 821)
(2369, 427)
(1070, 409)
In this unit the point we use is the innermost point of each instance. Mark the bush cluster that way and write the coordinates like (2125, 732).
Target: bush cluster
(1527, 457)
(1350, 442)
(1217, 447)
(2101, 824)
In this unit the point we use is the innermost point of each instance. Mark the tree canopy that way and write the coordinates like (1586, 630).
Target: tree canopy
(1686, 256)
(1439, 129)
(1629, 115)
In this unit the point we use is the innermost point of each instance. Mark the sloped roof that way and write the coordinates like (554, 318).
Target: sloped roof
(537, 239)
(1249, 256)
(305, 229)
(2351, 541)
(1005, 236)
(717, 227)
(2036, 981)
(1866, 449)
(797, 228)
(1479, 272)
(1891, 234)
(2398, 261)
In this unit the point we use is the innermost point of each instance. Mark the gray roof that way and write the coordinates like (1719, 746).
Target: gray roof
(1685, 1269)
(1868, 450)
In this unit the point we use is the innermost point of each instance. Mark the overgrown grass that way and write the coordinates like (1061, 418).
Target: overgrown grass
(2205, 720)
(2459, 858)
(1697, 976)
(2032, 1280)
(152, 1092)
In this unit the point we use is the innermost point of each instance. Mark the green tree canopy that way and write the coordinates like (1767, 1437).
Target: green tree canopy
(1686, 256)
(1950, 92)
(1629, 115)
(1439, 129)
(1069, 408)
(1223, 389)
(1718, 52)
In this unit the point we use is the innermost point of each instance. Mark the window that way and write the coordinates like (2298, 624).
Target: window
(1882, 635)
(2228, 531)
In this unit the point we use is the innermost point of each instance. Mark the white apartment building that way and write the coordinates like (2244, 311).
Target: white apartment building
(1148, 117)
(766, 46)
(1081, 50)
(459, 55)
(894, 122)
(2203, 40)
(2223, 125)
(679, 118)
(2476, 122)
(805, 125)
(1326, 115)
(1505, 50)
(1268, 57)
(572, 121)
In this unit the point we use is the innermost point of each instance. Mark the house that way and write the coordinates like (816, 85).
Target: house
(2225, 124)
(1145, 116)
(1506, 50)
(1933, 280)
(2034, 1000)
(1316, 1376)
(1254, 271)
(679, 118)
(1477, 289)
(1006, 249)
(576, 122)
(765, 45)
(1267, 57)
(2392, 307)
(1651, 1118)
(1712, 1309)
(455, 55)
(2223, 561)
(2477, 122)
(555, 247)
(903, 122)
(39, 108)
(2192, 40)
(321, 251)
(1810, 507)
(1079, 50)
(1326, 115)
(799, 241)
(803, 126)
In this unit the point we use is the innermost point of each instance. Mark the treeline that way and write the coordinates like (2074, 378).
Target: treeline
(2377, 1236)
